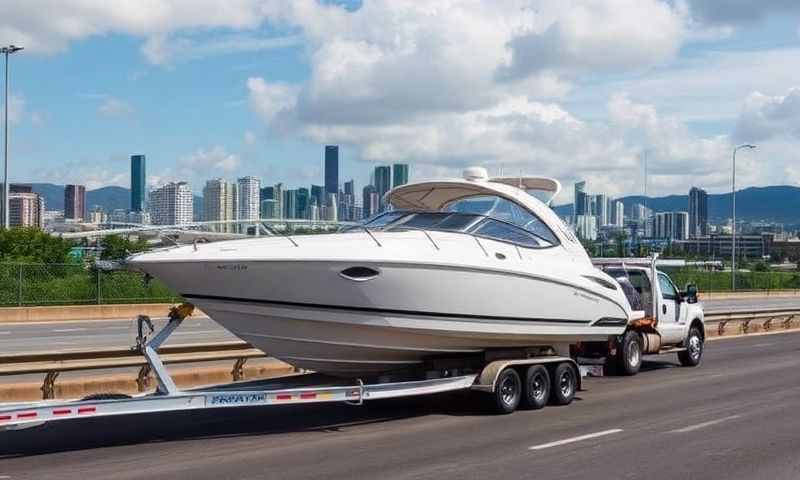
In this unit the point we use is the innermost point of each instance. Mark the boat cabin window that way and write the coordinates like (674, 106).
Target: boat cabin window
(384, 219)
(498, 230)
(507, 211)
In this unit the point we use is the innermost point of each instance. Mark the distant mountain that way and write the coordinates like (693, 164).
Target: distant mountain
(109, 198)
(772, 204)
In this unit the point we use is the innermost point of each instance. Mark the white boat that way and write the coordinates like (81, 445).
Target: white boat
(456, 267)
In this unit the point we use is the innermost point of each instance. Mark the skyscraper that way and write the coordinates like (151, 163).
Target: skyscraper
(579, 203)
(138, 183)
(383, 183)
(248, 201)
(218, 204)
(698, 212)
(318, 194)
(332, 169)
(25, 208)
(617, 213)
(171, 204)
(670, 225)
(303, 202)
(601, 210)
(75, 202)
(369, 201)
(290, 204)
(399, 174)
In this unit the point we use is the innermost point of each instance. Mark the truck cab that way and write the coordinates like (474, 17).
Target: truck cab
(668, 320)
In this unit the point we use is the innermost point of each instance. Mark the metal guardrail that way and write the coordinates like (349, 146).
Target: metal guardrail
(739, 322)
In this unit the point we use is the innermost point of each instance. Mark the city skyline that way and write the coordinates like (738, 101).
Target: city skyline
(284, 93)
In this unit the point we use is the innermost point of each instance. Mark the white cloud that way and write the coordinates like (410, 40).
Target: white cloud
(213, 159)
(168, 49)
(765, 117)
(115, 107)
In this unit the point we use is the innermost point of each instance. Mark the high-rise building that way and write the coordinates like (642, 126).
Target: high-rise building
(318, 194)
(301, 207)
(97, 215)
(369, 201)
(399, 174)
(698, 212)
(601, 210)
(138, 183)
(586, 227)
(171, 204)
(579, 205)
(640, 213)
(332, 169)
(218, 206)
(670, 225)
(617, 218)
(248, 201)
(383, 183)
(290, 204)
(25, 208)
(75, 202)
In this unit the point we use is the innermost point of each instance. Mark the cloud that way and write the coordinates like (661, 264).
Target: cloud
(597, 36)
(213, 159)
(169, 49)
(765, 117)
(115, 108)
(16, 108)
(249, 137)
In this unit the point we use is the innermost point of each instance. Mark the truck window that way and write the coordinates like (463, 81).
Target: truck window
(667, 288)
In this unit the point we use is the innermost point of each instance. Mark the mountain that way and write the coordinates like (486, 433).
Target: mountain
(109, 198)
(780, 203)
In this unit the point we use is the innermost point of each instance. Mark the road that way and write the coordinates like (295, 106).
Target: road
(83, 335)
(732, 418)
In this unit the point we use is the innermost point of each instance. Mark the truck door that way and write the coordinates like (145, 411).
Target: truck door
(669, 311)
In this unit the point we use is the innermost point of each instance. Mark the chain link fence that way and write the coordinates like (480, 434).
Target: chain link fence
(24, 284)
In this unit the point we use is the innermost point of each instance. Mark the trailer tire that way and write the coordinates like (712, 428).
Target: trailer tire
(629, 353)
(507, 391)
(564, 384)
(694, 349)
(537, 387)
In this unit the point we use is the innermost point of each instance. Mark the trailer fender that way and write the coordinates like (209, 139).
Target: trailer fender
(488, 377)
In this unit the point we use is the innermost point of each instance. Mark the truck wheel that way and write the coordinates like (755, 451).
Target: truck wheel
(507, 391)
(565, 383)
(537, 387)
(630, 353)
(694, 349)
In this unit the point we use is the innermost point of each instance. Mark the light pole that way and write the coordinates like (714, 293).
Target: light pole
(6, 51)
(733, 224)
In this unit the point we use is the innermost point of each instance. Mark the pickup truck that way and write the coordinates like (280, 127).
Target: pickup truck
(670, 320)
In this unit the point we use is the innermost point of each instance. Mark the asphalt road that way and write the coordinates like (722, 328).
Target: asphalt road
(733, 418)
(84, 335)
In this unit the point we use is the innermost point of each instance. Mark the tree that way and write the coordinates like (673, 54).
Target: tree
(33, 246)
(115, 247)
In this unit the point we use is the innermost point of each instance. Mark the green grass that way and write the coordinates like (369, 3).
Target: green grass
(75, 284)
(721, 281)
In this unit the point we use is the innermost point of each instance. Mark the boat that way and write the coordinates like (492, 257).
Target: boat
(453, 268)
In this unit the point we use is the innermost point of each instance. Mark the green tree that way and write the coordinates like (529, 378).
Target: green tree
(34, 246)
(115, 247)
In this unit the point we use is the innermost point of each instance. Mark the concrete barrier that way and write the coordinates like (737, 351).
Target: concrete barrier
(127, 383)
(84, 312)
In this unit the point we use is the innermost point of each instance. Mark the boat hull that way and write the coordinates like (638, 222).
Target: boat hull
(311, 316)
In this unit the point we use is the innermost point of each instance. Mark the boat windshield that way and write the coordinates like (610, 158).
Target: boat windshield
(482, 216)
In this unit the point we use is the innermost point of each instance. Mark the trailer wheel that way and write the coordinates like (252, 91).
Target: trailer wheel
(694, 349)
(629, 355)
(565, 383)
(537, 387)
(507, 391)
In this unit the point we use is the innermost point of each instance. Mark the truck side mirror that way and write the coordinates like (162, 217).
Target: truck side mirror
(691, 293)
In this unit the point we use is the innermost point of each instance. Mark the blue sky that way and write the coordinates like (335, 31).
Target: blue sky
(257, 87)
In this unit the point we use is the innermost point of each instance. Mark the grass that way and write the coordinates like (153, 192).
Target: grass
(721, 281)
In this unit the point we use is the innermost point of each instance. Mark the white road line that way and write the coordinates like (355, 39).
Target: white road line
(692, 428)
(198, 332)
(5, 333)
(575, 439)
(762, 345)
(65, 330)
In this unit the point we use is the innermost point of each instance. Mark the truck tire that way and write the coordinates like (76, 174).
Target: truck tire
(536, 391)
(629, 354)
(507, 391)
(564, 384)
(694, 349)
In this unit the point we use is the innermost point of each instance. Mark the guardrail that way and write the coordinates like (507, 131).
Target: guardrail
(52, 364)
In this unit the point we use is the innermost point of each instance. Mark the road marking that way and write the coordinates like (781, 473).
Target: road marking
(198, 332)
(575, 439)
(5, 333)
(692, 428)
(65, 330)
(116, 328)
(763, 345)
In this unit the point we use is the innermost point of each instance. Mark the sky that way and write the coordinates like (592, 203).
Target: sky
(573, 89)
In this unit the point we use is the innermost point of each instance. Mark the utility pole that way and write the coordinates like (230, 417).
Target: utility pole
(6, 217)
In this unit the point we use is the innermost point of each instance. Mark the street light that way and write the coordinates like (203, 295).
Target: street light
(733, 224)
(6, 51)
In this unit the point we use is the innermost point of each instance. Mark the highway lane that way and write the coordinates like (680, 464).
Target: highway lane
(83, 335)
(733, 418)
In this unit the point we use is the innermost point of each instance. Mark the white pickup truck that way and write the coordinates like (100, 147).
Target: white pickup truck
(671, 320)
